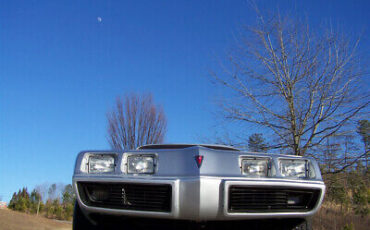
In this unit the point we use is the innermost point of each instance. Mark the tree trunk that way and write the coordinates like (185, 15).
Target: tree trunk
(38, 207)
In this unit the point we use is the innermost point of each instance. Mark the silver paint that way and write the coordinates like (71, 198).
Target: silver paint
(198, 194)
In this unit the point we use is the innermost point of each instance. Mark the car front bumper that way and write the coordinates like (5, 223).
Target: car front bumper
(202, 198)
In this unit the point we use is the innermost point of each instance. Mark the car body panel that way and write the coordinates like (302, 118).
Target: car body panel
(198, 193)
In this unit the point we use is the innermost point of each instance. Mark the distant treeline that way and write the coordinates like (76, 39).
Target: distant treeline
(350, 189)
(55, 205)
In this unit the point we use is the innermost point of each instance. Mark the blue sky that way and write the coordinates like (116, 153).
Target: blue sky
(61, 70)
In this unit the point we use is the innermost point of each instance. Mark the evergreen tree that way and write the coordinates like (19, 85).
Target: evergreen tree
(359, 186)
(13, 201)
(52, 191)
(256, 143)
(364, 130)
(68, 195)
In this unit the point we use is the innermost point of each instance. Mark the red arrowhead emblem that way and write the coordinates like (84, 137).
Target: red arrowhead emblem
(199, 160)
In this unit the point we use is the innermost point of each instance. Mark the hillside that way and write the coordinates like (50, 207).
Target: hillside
(11, 220)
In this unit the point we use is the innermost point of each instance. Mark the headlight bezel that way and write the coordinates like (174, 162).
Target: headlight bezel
(305, 162)
(131, 156)
(90, 158)
(264, 160)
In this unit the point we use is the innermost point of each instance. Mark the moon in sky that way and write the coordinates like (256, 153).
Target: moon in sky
(99, 19)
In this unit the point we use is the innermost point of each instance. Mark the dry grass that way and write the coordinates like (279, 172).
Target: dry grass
(11, 220)
(331, 217)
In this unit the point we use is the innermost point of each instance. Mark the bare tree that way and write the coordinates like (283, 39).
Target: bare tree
(41, 190)
(136, 121)
(300, 85)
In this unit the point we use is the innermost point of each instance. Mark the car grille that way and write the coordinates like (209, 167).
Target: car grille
(131, 196)
(263, 199)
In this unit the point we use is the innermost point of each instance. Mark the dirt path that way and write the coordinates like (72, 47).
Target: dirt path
(10, 220)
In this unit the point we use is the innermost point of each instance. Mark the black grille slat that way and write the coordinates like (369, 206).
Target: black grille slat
(129, 196)
(263, 199)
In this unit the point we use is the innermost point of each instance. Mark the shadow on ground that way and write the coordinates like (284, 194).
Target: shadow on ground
(183, 225)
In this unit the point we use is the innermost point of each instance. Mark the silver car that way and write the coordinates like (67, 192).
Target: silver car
(195, 183)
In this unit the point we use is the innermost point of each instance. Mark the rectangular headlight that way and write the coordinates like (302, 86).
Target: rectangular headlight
(293, 168)
(101, 163)
(140, 164)
(255, 167)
